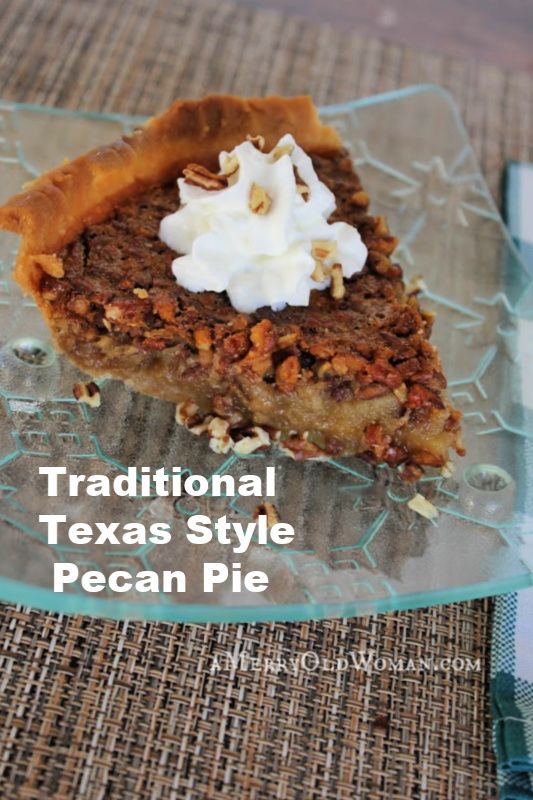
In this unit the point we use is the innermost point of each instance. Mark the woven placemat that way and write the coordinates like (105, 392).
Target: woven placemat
(99, 709)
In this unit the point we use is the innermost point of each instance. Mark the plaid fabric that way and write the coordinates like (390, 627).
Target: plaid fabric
(512, 644)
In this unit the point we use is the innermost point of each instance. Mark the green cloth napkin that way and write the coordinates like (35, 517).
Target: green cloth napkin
(512, 636)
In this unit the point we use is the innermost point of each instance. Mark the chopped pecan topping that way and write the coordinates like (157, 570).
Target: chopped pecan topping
(428, 459)
(338, 289)
(323, 249)
(447, 470)
(269, 511)
(236, 345)
(385, 244)
(381, 228)
(395, 455)
(220, 440)
(422, 506)
(142, 294)
(415, 285)
(253, 439)
(401, 393)
(257, 141)
(347, 363)
(197, 175)
(453, 423)
(318, 274)
(262, 336)
(226, 406)
(371, 391)
(303, 189)
(421, 397)
(165, 307)
(260, 201)
(282, 150)
(187, 414)
(289, 338)
(79, 305)
(88, 393)
(322, 349)
(410, 472)
(230, 166)
(324, 369)
(239, 322)
(377, 440)
(298, 447)
(203, 339)
(287, 374)
(360, 199)
(382, 372)
(382, 265)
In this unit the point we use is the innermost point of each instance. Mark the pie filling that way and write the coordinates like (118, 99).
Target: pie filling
(343, 376)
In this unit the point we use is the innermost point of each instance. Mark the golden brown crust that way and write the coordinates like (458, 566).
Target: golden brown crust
(55, 207)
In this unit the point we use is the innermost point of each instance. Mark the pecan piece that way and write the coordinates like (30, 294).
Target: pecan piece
(322, 249)
(197, 175)
(322, 350)
(381, 227)
(421, 397)
(283, 150)
(345, 363)
(382, 372)
(236, 345)
(360, 199)
(260, 201)
(409, 473)
(371, 391)
(79, 304)
(338, 289)
(88, 393)
(258, 141)
(253, 439)
(421, 505)
(298, 447)
(287, 374)
(165, 307)
(377, 440)
(395, 455)
(230, 166)
(262, 336)
(427, 459)
(268, 510)
(385, 244)
(220, 440)
(202, 338)
(453, 423)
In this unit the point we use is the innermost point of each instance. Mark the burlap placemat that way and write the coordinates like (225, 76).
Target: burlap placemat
(98, 709)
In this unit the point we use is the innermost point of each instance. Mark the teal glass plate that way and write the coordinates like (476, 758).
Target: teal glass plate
(359, 547)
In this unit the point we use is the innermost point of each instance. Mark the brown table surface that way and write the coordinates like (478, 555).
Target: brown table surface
(497, 32)
(100, 709)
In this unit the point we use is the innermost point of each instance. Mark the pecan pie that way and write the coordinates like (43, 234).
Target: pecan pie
(352, 373)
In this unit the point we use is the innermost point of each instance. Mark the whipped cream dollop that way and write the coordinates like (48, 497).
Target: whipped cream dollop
(260, 229)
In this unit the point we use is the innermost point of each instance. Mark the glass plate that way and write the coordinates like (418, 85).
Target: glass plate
(359, 548)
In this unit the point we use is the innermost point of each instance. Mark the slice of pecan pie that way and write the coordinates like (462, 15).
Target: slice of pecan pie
(352, 372)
